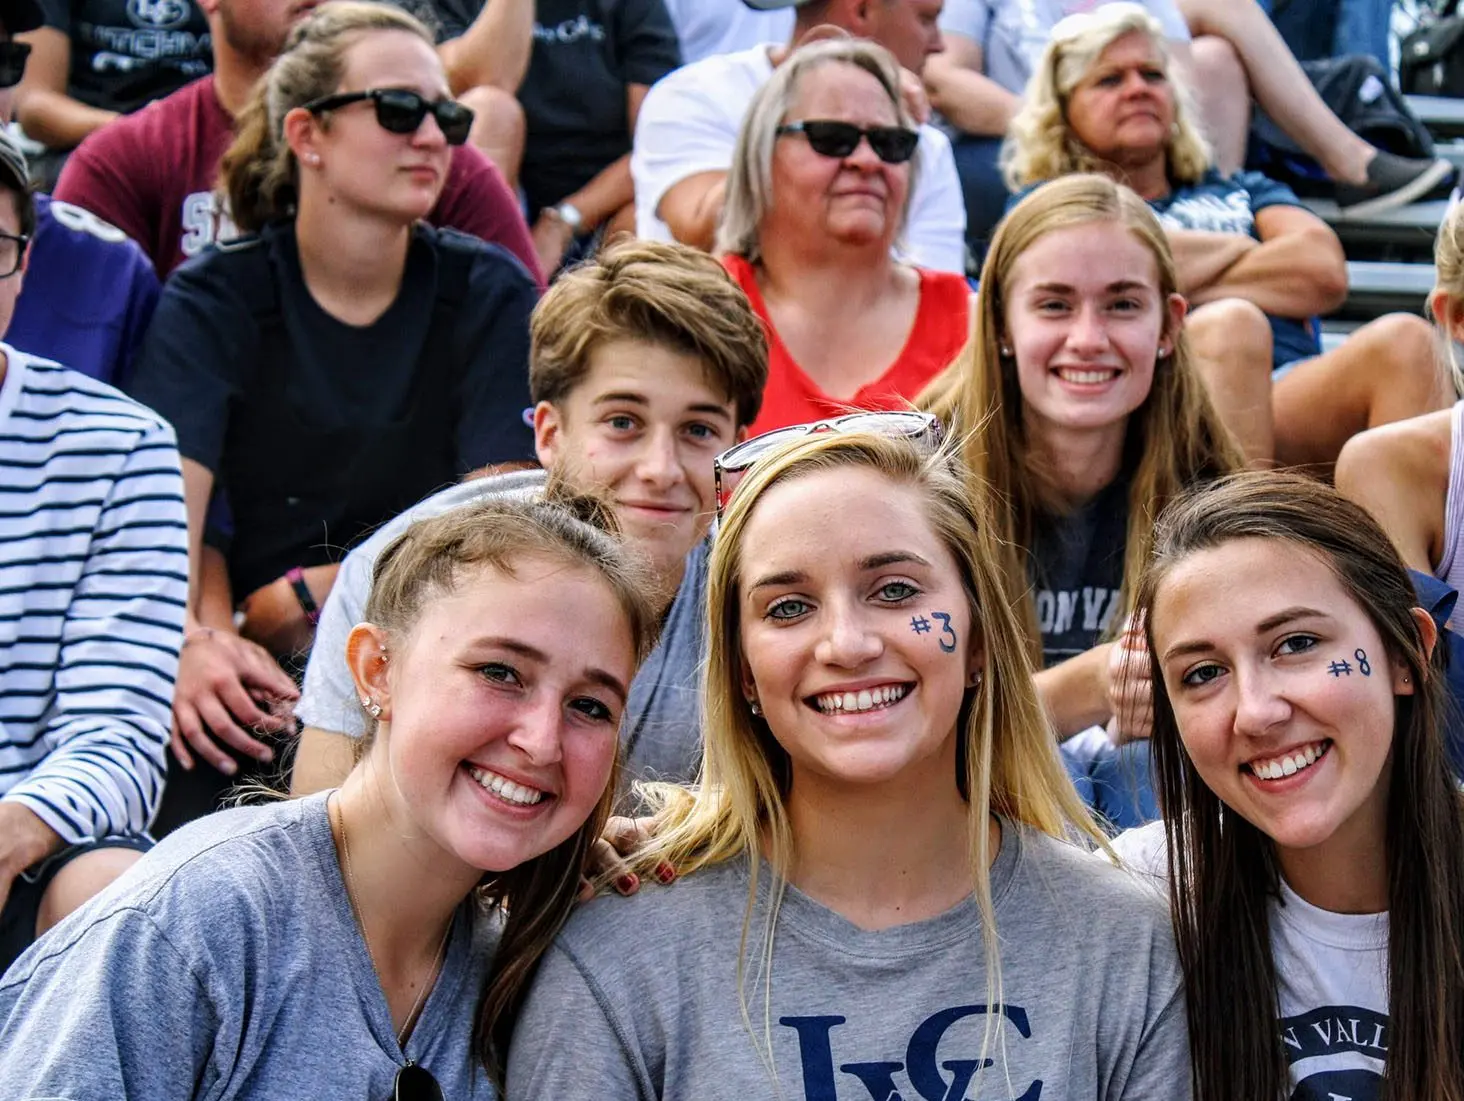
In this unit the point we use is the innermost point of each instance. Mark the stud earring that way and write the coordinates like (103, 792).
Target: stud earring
(754, 706)
(1163, 353)
(975, 679)
(313, 158)
(372, 707)
(1006, 350)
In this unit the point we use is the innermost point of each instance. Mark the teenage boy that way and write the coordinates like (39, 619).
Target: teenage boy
(645, 363)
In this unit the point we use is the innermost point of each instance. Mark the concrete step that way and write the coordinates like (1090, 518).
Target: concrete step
(1411, 227)
(1376, 287)
(1443, 115)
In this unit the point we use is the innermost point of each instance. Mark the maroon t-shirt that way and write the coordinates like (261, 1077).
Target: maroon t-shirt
(152, 174)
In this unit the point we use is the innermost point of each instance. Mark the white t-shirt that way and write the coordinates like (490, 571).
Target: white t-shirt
(1332, 982)
(688, 124)
(707, 27)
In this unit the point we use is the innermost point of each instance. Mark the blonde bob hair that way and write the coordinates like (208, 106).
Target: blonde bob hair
(1173, 441)
(1006, 758)
(1040, 144)
(750, 179)
(258, 176)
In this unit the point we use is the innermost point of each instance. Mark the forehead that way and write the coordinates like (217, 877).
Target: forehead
(825, 522)
(661, 377)
(837, 89)
(1090, 256)
(1133, 48)
(393, 59)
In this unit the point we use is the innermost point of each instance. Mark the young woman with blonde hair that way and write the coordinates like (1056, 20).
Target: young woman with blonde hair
(377, 936)
(878, 888)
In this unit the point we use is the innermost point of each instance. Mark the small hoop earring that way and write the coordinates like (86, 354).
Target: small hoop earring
(372, 707)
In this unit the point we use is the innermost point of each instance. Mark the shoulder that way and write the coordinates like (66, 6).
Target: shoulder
(1263, 190)
(1416, 449)
(51, 390)
(712, 79)
(481, 263)
(516, 484)
(161, 123)
(1088, 894)
(84, 238)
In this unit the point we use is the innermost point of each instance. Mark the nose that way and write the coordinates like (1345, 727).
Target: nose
(537, 733)
(660, 464)
(428, 133)
(863, 156)
(1259, 706)
(1089, 333)
(848, 642)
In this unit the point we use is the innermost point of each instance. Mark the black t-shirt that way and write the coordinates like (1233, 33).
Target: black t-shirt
(317, 430)
(127, 53)
(574, 94)
(1076, 567)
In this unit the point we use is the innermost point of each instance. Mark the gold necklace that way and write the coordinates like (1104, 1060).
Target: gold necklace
(340, 818)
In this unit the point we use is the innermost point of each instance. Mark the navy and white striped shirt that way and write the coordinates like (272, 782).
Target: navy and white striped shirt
(93, 586)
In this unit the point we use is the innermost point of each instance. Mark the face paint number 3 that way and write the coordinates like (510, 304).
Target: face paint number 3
(921, 626)
(1344, 668)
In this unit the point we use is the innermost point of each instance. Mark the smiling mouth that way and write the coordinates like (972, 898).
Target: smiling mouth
(1089, 377)
(1288, 764)
(866, 699)
(506, 789)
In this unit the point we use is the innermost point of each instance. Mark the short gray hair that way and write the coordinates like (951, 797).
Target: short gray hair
(750, 179)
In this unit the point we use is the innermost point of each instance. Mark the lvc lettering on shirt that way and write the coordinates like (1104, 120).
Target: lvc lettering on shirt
(1056, 611)
(1332, 1030)
(925, 1072)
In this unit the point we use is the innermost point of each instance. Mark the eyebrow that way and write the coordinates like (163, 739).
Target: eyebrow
(630, 397)
(872, 562)
(1265, 626)
(1119, 287)
(533, 653)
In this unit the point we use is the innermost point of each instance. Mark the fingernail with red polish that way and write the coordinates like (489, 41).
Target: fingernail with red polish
(627, 883)
(664, 872)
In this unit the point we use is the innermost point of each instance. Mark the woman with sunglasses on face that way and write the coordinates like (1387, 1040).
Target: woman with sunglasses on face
(345, 360)
(816, 200)
(877, 895)
(1085, 415)
(1312, 839)
(373, 941)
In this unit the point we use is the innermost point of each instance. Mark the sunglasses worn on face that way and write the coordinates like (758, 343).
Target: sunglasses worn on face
(12, 62)
(828, 138)
(732, 464)
(401, 111)
(414, 1083)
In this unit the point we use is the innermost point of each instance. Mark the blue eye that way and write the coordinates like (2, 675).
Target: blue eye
(897, 591)
(788, 608)
(1201, 675)
(701, 431)
(621, 423)
(1297, 644)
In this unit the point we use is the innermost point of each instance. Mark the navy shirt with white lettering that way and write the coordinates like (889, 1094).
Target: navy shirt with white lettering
(1076, 567)
(127, 53)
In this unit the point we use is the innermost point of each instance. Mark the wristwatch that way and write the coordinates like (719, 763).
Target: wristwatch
(570, 215)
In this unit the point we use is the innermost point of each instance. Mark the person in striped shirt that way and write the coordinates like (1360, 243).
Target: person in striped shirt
(93, 584)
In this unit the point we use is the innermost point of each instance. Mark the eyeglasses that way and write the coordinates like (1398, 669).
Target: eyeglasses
(401, 111)
(12, 62)
(414, 1083)
(829, 138)
(732, 464)
(12, 252)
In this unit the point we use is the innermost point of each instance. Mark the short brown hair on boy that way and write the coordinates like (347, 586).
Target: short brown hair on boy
(668, 294)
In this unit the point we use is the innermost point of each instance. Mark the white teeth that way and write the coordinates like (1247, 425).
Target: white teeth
(1280, 767)
(866, 699)
(1070, 375)
(505, 788)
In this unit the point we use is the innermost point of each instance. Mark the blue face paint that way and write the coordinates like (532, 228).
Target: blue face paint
(946, 631)
(920, 625)
(1362, 666)
(1344, 668)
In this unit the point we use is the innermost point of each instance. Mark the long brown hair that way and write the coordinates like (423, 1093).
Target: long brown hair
(429, 560)
(1174, 439)
(1223, 872)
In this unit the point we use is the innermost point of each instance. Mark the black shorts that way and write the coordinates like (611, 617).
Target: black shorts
(18, 917)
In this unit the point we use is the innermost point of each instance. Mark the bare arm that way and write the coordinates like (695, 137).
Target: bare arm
(1298, 271)
(1203, 256)
(322, 760)
(692, 207)
(960, 91)
(1400, 474)
(1075, 691)
(494, 50)
(44, 110)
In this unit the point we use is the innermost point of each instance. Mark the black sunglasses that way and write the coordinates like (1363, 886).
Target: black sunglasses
(414, 1083)
(12, 62)
(401, 111)
(828, 138)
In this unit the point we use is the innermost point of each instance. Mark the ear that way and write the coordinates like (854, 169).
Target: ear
(302, 134)
(548, 427)
(739, 435)
(366, 657)
(1448, 311)
(1177, 307)
(1428, 632)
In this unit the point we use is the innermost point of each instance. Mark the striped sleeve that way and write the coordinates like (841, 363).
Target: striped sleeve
(106, 725)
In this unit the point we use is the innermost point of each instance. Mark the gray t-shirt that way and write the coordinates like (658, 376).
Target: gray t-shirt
(1013, 33)
(661, 727)
(638, 998)
(227, 966)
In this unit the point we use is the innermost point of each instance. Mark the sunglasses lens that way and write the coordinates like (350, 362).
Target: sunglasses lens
(401, 112)
(893, 144)
(832, 139)
(415, 1084)
(454, 119)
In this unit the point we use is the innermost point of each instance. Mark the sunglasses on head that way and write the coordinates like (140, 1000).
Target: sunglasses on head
(401, 111)
(414, 1083)
(829, 138)
(732, 464)
(12, 62)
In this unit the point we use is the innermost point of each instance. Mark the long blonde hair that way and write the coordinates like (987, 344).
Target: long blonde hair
(1040, 143)
(1007, 761)
(1449, 282)
(1174, 439)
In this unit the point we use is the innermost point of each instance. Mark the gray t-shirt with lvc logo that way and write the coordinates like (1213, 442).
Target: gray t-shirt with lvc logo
(639, 996)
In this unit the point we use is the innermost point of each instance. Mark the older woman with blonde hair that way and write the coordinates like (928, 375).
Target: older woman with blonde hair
(878, 864)
(1103, 99)
(817, 199)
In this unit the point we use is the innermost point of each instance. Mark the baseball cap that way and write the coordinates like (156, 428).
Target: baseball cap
(20, 16)
(773, 5)
(12, 161)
